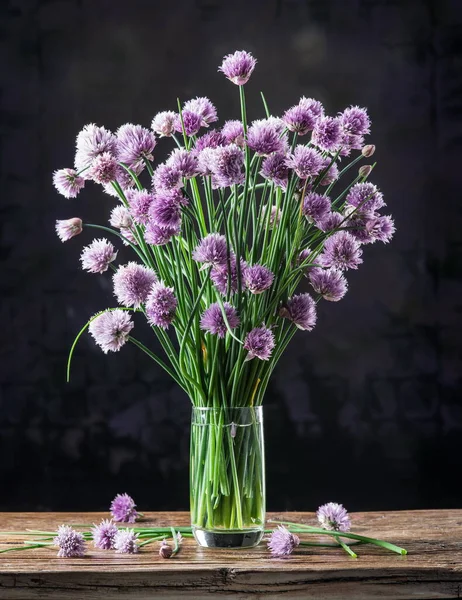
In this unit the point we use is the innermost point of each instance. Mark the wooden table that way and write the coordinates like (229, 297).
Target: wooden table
(432, 569)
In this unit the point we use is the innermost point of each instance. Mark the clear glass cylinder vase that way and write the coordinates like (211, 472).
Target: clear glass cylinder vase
(227, 477)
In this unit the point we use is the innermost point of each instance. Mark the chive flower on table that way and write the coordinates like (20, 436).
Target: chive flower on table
(70, 542)
(104, 535)
(126, 542)
(333, 517)
(282, 542)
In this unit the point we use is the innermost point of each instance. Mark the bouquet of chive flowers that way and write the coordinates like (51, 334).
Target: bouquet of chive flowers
(223, 233)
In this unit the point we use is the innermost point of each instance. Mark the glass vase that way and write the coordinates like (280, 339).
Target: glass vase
(227, 477)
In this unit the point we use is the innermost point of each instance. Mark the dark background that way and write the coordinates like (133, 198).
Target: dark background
(366, 409)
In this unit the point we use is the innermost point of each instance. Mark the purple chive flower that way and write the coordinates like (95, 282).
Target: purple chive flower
(313, 106)
(167, 178)
(306, 162)
(203, 107)
(164, 123)
(125, 542)
(161, 305)
(135, 143)
(139, 202)
(355, 121)
(68, 229)
(192, 122)
(213, 322)
(327, 133)
(258, 278)
(301, 309)
(211, 139)
(282, 542)
(68, 183)
(110, 330)
(385, 228)
(315, 207)
(329, 283)
(165, 550)
(129, 237)
(238, 67)
(123, 509)
(103, 535)
(350, 142)
(275, 169)
(233, 132)
(120, 218)
(71, 543)
(221, 279)
(184, 162)
(265, 136)
(97, 257)
(205, 161)
(341, 250)
(132, 284)
(331, 221)
(368, 150)
(91, 142)
(165, 209)
(259, 343)
(333, 517)
(331, 175)
(299, 119)
(159, 236)
(366, 196)
(124, 179)
(103, 168)
(227, 163)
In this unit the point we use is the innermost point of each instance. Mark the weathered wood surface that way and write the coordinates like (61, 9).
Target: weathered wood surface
(432, 569)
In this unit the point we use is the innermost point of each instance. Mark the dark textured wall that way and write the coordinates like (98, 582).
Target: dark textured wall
(365, 410)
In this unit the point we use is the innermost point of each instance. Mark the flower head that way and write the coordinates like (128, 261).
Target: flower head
(355, 121)
(302, 117)
(315, 207)
(97, 257)
(212, 319)
(132, 284)
(192, 122)
(70, 542)
(385, 228)
(205, 161)
(161, 305)
(226, 165)
(233, 132)
(120, 217)
(103, 534)
(282, 542)
(365, 196)
(103, 168)
(167, 177)
(331, 174)
(265, 136)
(203, 107)
(238, 67)
(164, 123)
(68, 229)
(123, 509)
(91, 142)
(327, 133)
(333, 517)
(368, 150)
(110, 329)
(165, 209)
(212, 250)
(329, 283)
(184, 162)
(330, 222)
(211, 139)
(341, 250)
(306, 162)
(135, 143)
(301, 309)
(165, 550)
(68, 183)
(275, 169)
(159, 236)
(125, 542)
(139, 202)
(259, 343)
(258, 278)
(222, 278)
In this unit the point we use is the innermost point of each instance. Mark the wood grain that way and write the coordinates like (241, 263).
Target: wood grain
(432, 569)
